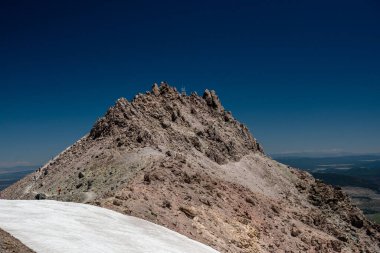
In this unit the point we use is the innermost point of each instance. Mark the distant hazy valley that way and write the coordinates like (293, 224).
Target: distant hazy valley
(358, 175)
(9, 176)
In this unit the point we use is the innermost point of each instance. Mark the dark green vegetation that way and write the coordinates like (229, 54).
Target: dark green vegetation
(358, 175)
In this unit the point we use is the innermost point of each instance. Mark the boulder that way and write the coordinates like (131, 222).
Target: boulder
(189, 212)
(356, 221)
(295, 231)
(81, 175)
(40, 196)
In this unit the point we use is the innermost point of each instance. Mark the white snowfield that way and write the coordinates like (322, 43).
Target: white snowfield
(48, 226)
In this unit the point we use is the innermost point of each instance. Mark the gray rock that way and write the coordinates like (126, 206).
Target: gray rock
(81, 175)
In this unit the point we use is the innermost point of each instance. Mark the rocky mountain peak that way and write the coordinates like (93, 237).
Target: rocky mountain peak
(166, 117)
(186, 163)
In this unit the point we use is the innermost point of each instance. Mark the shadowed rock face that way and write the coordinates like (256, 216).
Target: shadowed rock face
(184, 162)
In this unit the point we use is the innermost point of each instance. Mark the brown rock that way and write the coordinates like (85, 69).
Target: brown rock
(250, 201)
(189, 212)
(166, 204)
(212, 100)
(117, 202)
(155, 89)
(295, 231)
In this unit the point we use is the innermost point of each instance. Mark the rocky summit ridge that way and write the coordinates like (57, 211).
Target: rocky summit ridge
(184, 162)
(178, 122)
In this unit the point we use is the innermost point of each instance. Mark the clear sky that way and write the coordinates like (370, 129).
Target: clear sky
(303, 75)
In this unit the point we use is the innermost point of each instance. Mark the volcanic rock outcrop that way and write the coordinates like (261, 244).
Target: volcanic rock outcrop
(184, 162)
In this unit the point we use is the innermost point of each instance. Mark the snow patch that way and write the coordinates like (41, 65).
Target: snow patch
(51, 226)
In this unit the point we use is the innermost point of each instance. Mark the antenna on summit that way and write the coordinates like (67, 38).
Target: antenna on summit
(183, 91)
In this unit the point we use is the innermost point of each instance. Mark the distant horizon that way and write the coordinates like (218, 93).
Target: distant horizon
(322, 154)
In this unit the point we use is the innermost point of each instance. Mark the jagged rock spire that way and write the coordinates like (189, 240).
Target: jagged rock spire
(155, 89)
(212, 100)
(164, 116)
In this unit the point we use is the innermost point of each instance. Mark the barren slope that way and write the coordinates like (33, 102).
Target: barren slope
(186, 163)
(9, 244)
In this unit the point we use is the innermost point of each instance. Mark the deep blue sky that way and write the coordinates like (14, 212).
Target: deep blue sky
(303, 75)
